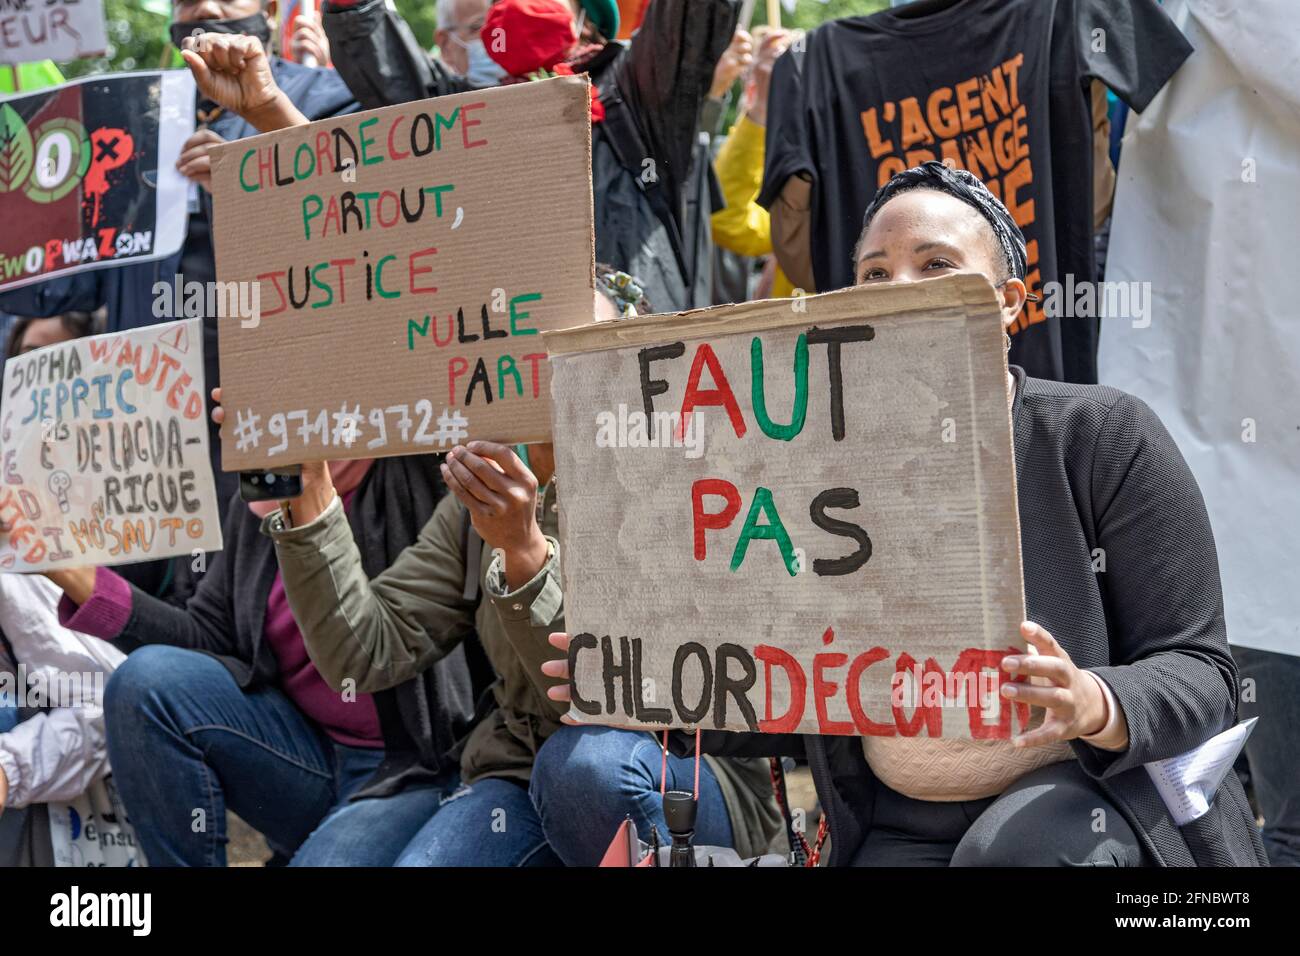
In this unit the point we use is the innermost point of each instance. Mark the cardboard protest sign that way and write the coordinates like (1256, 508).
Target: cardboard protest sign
(88, 174)
(32, 30)
(104, 451)
(405, 260)
(768, 510)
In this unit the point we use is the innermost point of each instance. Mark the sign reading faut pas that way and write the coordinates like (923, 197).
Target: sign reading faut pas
(406, 260)
(104, 451)
(792, 516)
(32, 30)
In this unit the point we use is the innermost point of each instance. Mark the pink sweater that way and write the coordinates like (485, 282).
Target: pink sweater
(353, 723)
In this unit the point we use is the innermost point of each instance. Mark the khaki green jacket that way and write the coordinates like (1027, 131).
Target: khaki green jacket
(384, 631)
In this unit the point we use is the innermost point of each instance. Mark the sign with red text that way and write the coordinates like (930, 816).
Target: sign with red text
(104, 451)
(792, 516)
(405, 261)
(32, 30)
(88, 176)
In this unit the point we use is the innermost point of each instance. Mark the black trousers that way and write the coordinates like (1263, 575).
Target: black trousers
(1274, 747)
(1054, 816)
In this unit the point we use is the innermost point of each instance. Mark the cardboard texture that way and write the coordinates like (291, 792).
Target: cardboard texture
(104, 444)
(771, 569)
(32, 30)
(421, 330)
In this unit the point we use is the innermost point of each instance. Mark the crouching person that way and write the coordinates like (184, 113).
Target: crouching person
(488, 560)
(378, 633)
(223, 708)
(1131, 666)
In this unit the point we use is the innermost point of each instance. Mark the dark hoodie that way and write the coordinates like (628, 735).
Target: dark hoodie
(652, 89)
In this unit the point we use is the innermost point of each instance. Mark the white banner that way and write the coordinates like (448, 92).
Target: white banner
(32, 30)
(1206, 211)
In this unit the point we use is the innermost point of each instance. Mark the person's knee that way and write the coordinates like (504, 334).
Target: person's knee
(143, 683)
(584, 760)
(1055, 820)
(135, 679)
(558, 770)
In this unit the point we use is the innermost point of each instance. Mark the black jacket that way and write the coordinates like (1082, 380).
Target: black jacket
(652, 90)
(1095, 469)
(423, 720)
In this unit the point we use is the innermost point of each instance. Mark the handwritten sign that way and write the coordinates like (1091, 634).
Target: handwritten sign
(32, 30)
(792, 516)
(88, 177)
(405, 260)
(105, 451)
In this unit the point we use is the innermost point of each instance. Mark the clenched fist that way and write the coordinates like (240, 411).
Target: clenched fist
(232, 70)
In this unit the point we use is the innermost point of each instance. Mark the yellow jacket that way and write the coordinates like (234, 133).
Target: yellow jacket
(744, 226)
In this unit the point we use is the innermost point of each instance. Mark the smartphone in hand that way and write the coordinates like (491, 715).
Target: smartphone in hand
(271, 484)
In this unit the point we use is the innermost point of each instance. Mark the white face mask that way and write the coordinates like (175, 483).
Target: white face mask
(483, 70)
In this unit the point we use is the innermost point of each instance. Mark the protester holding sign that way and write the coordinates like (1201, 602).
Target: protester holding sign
(1124, 680)
(144, 293)
(506, 588)
(272, 741)
(393, 628)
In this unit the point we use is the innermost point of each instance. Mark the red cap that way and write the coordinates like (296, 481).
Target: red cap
(528, 35)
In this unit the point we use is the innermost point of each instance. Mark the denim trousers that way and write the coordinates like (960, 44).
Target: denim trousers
(588, 780)
(186, 743)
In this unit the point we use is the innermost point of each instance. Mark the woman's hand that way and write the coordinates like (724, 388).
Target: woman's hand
(559, 670)
(195, 163)
(317, 485)
(232, 70)
(1075, 703)
(501, 495)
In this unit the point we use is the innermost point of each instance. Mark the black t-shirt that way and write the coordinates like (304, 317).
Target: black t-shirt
(999, 87)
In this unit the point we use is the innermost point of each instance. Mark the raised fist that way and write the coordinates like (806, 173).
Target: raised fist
(231, 70)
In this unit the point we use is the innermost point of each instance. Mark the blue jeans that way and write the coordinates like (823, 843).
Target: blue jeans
(488, 823)
(587, 780)
(185, 742)
(1273, 749)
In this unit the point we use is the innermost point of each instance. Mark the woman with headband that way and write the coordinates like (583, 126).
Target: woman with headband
(1129, 657)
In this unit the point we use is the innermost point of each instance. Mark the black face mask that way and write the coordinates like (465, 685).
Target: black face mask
(255, 25)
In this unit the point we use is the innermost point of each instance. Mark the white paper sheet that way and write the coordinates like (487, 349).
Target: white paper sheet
(1187, 783)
